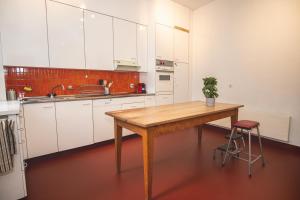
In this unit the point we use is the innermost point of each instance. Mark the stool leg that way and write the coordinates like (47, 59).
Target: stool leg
(242, 134)
(229, 143)
(260, 147)
(249, 153)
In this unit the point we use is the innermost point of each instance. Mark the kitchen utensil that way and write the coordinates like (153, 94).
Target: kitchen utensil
(110, 84)
(11, 95)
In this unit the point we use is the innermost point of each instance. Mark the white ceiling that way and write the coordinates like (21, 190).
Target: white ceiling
(193, 4)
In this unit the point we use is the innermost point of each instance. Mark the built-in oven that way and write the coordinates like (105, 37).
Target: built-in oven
(164, 77)
(164, 82)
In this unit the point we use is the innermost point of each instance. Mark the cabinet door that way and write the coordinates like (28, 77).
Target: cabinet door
(74, 124)
(98, 41)
(150, 101)
(24, 33)
(181, 82)
(164, 99)
(142, 47)
(40, 125)
(66, 35)
(164, 42)
(103, 124)
(181, 46)
(131, 106)
(125, 40)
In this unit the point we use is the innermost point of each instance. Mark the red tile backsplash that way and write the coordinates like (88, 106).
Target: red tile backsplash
(41, 80)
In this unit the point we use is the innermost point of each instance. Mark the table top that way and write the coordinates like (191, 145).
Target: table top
(157, 115)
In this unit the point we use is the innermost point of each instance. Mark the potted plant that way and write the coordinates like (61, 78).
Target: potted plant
(210, 90)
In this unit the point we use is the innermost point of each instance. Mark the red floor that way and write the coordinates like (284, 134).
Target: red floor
(181, 171)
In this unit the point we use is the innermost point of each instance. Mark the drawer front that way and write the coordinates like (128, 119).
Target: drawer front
(102, 102)
(133, 105)
(122, 100)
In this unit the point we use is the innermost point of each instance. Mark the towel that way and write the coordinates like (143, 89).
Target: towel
(7, 146)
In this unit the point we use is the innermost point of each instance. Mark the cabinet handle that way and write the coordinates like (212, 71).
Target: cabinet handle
(133, 58)
(86, 104)
(47, 107)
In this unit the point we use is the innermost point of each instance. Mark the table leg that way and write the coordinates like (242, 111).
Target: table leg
(234, 118)
(118, 145)
(199, 130)
(148, 157)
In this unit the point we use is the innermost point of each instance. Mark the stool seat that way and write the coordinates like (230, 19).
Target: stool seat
(246, 124)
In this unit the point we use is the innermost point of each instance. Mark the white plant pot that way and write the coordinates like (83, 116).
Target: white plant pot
(210, 101)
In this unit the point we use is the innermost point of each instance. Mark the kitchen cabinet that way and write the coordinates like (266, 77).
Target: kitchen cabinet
(142, 47)
(74, 124)
(125, 41)
(150, 101)
(98, 41)
(181, 16)
(131, 106)
(164, 99)
(104, 124)
(181, 82)
(24, 33)
(66, 36)
(40, 125)
(181, 46)
(164, 42)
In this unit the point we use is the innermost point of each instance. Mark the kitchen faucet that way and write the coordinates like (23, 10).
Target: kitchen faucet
(53, 94)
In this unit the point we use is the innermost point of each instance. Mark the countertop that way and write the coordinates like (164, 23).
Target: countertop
(43, 99)
(9, 107)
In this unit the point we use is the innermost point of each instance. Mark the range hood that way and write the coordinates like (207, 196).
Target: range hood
(125, 65)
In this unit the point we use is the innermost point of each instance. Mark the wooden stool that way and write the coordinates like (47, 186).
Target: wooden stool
(248, 126)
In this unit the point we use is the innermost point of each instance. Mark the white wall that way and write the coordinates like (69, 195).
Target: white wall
(253, 48)
(2, 83)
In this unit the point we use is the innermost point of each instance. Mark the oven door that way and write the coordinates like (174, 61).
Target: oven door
(164, 81)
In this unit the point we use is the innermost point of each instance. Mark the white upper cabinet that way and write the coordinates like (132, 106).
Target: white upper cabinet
(66, 36)
(164, 42)
(125, 40)
(24, 33)
(142, 47)
(181, 16)
(181, 46)
(98, 41)
(74, 124)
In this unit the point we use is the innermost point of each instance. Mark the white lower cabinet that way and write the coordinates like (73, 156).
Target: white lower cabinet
(164, 99)
(104, 124)
(53, 127)
(150, 101)
(131, 106)
(74, 124)
(40, 125)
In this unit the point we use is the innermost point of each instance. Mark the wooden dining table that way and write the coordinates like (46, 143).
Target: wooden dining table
(154, 121)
